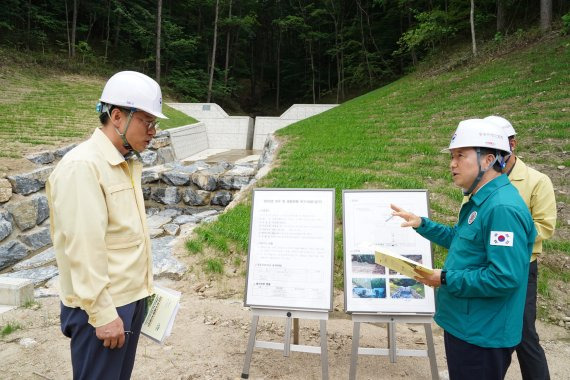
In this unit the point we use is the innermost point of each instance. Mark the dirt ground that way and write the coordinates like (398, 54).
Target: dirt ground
(210, 338)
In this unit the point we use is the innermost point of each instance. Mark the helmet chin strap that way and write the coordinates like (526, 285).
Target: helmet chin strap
(123, 136)
(498, 158)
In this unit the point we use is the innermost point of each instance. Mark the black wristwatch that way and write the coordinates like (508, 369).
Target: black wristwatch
(443, 277)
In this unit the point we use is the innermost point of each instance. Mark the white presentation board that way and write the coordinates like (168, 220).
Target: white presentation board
(368, 222)
(291, 240)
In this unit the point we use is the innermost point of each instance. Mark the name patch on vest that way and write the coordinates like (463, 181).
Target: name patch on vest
(503, 238)
(472, 217)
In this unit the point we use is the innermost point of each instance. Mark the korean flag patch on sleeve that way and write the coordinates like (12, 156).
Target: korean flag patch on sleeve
(503, 238)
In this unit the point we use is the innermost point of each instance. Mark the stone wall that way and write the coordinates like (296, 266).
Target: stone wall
(177, 197)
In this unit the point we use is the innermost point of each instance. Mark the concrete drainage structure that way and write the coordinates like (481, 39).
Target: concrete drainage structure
(191, 173)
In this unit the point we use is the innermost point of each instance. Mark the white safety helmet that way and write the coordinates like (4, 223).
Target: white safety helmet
(479, 133)
(133, 90)
(502, 123)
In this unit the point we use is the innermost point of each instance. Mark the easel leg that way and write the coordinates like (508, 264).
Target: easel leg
(392, 341)
(431, 352)
(354, 351)
(250, 346)
(287, 343)
(324, 354)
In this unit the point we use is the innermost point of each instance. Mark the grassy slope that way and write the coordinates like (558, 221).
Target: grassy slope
(44, 108)
(391, 138)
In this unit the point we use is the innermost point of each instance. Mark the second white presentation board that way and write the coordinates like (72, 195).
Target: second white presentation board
(368, 223)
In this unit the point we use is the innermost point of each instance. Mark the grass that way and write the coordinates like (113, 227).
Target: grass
(43, 108)
(390, 138)
(9, 329)
(213, 266)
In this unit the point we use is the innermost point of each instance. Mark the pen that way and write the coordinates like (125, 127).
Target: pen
(390, 217)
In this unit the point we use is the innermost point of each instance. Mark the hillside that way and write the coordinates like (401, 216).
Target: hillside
(390, 138)
(46, 107)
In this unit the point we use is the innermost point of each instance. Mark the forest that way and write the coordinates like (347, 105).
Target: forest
(253, 56)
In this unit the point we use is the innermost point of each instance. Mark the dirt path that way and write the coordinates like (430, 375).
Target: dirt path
(210, 336)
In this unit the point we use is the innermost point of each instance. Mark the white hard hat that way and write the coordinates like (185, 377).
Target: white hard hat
(479, 133)
(131, 89)
(503, 123)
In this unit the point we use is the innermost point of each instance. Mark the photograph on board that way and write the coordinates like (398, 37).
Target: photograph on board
(406, 288)
(369, 287)
(364, 264)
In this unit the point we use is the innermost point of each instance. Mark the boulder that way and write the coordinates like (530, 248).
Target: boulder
(31, 182)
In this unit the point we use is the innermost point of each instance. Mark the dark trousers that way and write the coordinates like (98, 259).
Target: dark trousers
(89, 358)
(529, 352)
(466, 361)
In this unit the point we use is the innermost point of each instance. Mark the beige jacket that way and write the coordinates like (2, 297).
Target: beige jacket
(98, 228)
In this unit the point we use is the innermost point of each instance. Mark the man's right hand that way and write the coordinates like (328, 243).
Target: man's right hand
(411, 219)
(112, 334)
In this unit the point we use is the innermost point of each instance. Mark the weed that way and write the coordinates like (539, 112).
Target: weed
(214, 266)
(10, 328)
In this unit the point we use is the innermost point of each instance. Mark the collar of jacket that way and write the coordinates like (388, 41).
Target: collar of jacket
(109, 151)
(519, 171)
(489, 188)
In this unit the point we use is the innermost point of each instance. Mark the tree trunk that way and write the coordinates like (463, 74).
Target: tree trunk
(108, 29)
(545, 15)
(67, 29)
(73, 28)
(501, 16)
(226, 68)
(213, 65)
(472, 21)
(363, 41)
(158, 27)
(117, 31)
(278, 74)
(29, 31)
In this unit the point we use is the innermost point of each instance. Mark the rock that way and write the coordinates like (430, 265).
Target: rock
(37, 275)
(5, 190)
(186, 229)
(241, 170)
(166, 195)
(36, 238)
(41, 158)
(6, 226)
(12, 252)
(50, 288)
(171, 229)
(29, 211)
(27, 342)
(561, 167)
(269, 148)
(210, 219)
(155, 232)
(152, 211)
(59, 153)
(233, 182)
(146, 190)
(205, 214)
(31, 182)
(205, 181)
(149, 176)
(159, 142)
(170, 212)
(221, 198)
(196, 197)
(157, 221)
(165, 155)
(149, 158)
(38, 260)
(183, 219)
(176, 178)
(164, 265)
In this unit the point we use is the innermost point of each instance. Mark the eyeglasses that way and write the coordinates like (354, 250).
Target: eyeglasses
(149, 124)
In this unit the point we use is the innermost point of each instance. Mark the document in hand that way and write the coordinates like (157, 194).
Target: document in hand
(399, 263)
(160, 315)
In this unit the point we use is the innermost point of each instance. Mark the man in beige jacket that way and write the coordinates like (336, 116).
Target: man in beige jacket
(98, 227)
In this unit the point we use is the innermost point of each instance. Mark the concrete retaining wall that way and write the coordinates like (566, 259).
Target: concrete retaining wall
(223, 131)
(188, 140)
